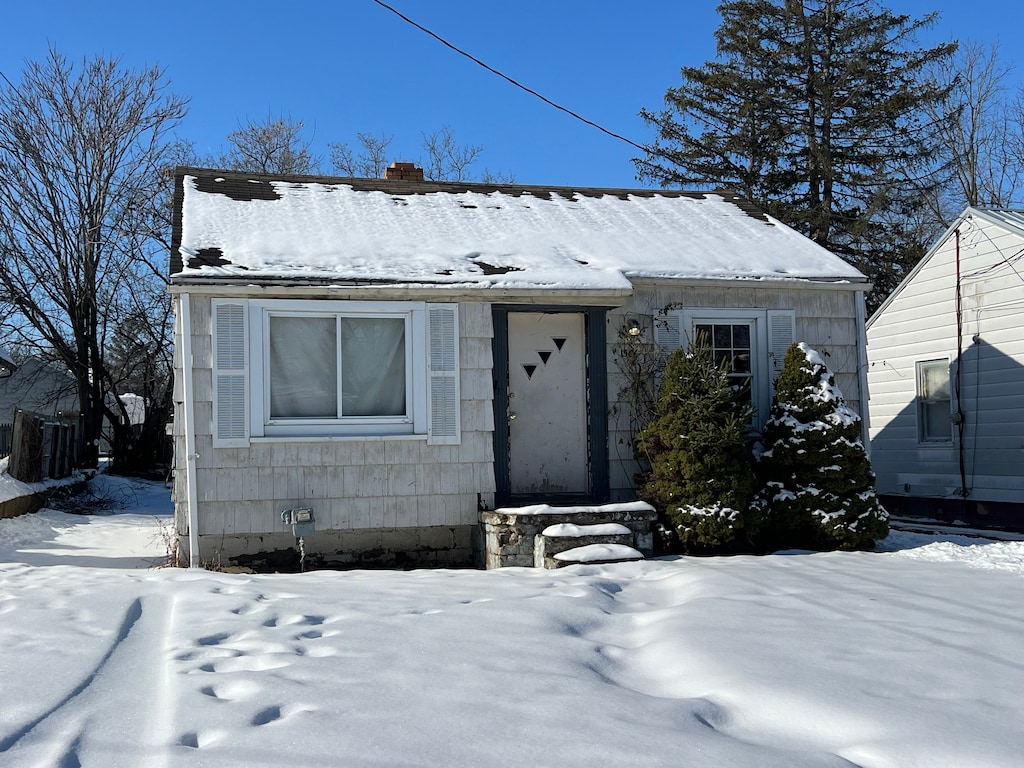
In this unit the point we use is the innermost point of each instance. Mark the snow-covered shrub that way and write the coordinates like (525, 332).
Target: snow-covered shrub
(818, 489)
(700, 479)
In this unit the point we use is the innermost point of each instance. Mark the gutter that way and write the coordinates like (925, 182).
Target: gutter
(604, 297)
(763, 283)
(862, 374)
(192, 495)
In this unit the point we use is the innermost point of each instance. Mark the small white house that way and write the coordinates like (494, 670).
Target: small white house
(397, 355)
(946, 376)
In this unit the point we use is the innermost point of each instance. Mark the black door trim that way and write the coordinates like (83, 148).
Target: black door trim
(597, 405)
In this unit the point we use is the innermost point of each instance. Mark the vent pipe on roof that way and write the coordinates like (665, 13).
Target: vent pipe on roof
(403, 172)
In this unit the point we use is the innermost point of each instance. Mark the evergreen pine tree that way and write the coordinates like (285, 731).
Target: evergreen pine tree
(700, 481)
(817, 111)
(819, 489)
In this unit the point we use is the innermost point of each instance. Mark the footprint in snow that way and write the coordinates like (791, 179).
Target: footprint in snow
(216, 639)
(266, 716)
(231, 690)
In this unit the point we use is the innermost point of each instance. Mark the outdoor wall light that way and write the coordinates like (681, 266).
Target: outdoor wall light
(634, 328)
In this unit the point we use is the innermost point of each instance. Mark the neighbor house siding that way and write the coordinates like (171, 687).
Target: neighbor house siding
(919, 323)
(352, 483)
(825, 318)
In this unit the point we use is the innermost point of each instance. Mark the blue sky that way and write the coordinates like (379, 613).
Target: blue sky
(350, 65)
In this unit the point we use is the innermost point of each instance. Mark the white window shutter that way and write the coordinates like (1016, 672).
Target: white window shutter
(230, 374)
(667, 331)
(781, 334)
(443, 374)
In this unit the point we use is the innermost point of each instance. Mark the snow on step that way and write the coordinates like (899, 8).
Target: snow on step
(576, 531)
(599, 553)
(600, 542)
(601, 509)
(532, 535)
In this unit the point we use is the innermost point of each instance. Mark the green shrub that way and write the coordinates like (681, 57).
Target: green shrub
(818, 489)
(700, 477)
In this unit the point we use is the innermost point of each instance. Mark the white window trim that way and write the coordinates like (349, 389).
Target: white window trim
(772, 332)
(415, 420)
(922, 441)
(760, 383)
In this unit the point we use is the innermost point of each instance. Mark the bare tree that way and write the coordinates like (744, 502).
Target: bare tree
(447, 160)
(140, 362)
(274, 145)
(497, 177)
(81, 153)
(369, 162)
(977, 128)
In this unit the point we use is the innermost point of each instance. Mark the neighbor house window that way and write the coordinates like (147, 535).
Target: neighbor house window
(314, 368)
(934, 424)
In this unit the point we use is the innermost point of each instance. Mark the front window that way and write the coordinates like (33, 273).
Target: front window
(933, 402)
(315, 368)
(751, 341)
(730, 344)
(334, 367)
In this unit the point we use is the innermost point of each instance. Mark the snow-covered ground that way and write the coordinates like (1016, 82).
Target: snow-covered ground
(910, 656)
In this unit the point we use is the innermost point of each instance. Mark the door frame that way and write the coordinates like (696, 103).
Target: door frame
(596, 391)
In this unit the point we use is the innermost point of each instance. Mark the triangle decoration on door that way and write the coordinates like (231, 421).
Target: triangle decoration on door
(544, 355)
(529, 370)
(559, 342)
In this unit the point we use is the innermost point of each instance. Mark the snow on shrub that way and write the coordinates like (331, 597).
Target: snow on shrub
(818, 489)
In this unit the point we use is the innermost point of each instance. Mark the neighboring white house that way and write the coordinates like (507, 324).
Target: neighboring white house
(396, 355)
(946, 376)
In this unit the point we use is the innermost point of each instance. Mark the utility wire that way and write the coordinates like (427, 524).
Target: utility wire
(516, 83)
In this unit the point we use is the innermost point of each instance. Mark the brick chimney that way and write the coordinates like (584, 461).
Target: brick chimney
(403, 172)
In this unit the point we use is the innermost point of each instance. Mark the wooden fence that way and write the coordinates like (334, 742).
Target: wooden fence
(43, 446)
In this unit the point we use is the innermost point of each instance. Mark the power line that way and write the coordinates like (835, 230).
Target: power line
(516, 83)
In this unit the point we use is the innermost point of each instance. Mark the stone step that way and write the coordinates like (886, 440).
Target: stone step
(564, 544)
(511, 534)
(594, 554)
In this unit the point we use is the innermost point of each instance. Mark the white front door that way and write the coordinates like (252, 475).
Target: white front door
(547, 409)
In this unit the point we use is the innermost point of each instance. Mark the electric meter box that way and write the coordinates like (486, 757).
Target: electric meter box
(301, 521)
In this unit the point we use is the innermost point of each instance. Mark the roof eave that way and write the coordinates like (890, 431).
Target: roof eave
(610, 297)
(755, 281)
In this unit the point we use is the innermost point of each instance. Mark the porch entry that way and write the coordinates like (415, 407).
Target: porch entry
(550, 404)
(547, 404)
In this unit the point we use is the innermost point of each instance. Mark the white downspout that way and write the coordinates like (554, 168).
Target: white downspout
(862, 374)
(190, 432)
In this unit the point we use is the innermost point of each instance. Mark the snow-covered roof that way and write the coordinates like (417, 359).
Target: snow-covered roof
(234, 226)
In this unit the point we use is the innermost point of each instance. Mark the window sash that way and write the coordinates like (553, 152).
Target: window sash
(302, 367)
(731, 342)
(331, 382)
(934, 402)
(374, 380)
(754, 322)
